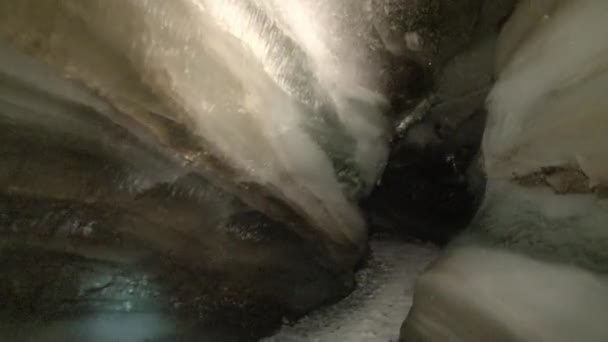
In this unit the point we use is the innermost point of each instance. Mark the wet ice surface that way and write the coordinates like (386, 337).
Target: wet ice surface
(376, 309)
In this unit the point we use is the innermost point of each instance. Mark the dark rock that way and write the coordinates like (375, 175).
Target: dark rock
(433, 182)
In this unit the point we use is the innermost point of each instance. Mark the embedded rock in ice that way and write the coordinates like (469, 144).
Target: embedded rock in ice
(548, 111)
(532, 265)
(431, 31)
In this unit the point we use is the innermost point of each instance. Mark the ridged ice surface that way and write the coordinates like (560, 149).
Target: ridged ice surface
(375, 310)
(286, 93)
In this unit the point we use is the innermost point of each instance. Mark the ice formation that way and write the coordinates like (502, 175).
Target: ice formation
(532, 265)
(272, 90)
(545, 141)
(548, 107)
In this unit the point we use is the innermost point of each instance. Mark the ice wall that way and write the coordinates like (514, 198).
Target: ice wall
(480, 294)
(532, 266)
(545, 143)
(276, 93)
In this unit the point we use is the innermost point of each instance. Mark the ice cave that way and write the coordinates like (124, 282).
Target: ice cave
(304, 170)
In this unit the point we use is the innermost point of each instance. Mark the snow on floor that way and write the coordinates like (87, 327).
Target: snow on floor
(376, 309)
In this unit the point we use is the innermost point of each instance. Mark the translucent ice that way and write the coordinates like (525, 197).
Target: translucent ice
(282, 94)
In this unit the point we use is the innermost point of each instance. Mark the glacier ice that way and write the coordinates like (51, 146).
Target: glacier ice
(281, 94)
(532, 266)
(220, 148)
(548, 107)
(374, 310)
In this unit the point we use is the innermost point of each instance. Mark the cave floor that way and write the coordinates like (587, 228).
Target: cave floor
(377, 308)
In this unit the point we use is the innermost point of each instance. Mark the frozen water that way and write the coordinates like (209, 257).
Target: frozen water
(486, 294)
(548, 107)
(285, 94)
(533, 265)
(376, 309)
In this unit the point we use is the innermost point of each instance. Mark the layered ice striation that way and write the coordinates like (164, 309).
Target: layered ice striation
(283, 96)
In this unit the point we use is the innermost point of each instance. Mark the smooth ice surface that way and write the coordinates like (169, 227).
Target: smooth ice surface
(549, 106)
(375, 310)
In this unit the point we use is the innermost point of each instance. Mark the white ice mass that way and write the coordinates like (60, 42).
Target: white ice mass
(532, 265)
(284, 94)
(282, 104)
